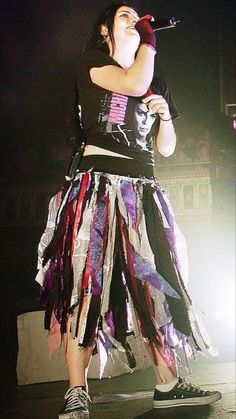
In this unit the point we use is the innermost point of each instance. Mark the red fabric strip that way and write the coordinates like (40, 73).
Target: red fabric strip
(83, 189)
(87, 272)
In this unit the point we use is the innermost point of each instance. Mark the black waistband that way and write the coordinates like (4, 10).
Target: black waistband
(116, 166)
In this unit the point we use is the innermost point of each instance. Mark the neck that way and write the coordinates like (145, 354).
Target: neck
(124, 56)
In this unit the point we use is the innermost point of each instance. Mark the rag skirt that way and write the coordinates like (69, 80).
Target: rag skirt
(114, 261)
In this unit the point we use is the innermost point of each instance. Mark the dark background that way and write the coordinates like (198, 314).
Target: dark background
(41, 41)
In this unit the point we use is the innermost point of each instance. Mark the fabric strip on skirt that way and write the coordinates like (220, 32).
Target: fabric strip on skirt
(113, 260)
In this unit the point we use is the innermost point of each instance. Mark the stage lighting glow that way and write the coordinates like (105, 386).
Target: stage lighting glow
(234, 124)
(227, 312)
(225, 319)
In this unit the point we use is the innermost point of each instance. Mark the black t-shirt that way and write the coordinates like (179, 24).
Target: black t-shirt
(116, 122)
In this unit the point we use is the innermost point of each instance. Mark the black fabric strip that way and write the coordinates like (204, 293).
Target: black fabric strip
(92, 320)
(163, 261)
(116, 166)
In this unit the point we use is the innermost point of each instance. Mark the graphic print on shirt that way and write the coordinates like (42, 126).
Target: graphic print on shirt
(128, 120)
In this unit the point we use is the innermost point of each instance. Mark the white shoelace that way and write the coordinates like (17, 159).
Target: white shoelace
(77, 398)
(185, 385)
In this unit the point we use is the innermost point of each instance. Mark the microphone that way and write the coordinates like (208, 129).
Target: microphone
(166, 23)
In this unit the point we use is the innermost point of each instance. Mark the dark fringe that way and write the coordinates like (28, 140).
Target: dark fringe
(118, 302)
(57, 289)
(137, 291)
(92, 320)
(56, 292)
(163, 261)
(58, 234)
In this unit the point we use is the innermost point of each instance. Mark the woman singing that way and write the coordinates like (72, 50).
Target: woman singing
(111, 265)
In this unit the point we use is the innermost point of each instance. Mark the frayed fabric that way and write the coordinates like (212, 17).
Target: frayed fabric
(113, 260)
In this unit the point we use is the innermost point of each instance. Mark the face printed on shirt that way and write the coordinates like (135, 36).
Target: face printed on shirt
(129, 121)
(143, 120)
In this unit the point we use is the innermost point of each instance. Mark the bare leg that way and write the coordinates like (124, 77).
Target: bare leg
(77, 358)
(164, 374)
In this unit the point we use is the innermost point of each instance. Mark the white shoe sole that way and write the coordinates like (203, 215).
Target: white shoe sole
(195, 401)
(73, 415)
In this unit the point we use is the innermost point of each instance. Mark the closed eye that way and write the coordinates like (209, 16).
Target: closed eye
(128, 14)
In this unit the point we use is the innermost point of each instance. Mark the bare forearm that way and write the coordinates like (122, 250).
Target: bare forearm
(133, 81)
(140, 74)
(166, 138)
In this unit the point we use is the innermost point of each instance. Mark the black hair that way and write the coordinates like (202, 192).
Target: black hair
(95, 40)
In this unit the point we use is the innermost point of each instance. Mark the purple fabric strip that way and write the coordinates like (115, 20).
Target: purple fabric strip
(74, 192)
(110, 322)
(145, 272)
(63, 252)
(96, 245)
(129, 198)
(165, 207)
(47, 285)
(174, 338)
(170, 233)
(105, 341)
(104, 350)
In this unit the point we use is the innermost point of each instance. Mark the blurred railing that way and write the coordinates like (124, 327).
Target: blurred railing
(188, 186)
(25, 201)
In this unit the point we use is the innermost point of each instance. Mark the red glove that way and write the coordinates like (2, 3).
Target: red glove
(147, 36)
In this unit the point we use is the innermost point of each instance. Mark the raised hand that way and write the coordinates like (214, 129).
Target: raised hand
(157, 104)
(147, 36)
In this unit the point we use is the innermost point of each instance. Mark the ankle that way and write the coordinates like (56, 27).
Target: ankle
(166, 380)
(167, 386)
(79, 386)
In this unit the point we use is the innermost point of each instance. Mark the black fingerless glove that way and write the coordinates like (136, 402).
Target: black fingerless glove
(147, 36)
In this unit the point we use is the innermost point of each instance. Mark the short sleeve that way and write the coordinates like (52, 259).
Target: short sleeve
(160, 87)
(88, 60)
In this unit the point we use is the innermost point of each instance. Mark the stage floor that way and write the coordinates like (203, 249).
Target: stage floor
(129, 396)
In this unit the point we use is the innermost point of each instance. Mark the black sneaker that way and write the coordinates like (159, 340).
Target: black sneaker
(76, 404)
(184, 394)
